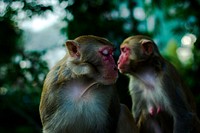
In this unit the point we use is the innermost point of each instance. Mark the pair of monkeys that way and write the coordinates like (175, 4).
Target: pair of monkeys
(78, 94)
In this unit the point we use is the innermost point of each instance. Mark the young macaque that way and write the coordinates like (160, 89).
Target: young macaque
(78, 94)
(161, 103)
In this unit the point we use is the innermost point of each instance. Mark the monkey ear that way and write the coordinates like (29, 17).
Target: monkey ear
(147, 46)
(73, 48)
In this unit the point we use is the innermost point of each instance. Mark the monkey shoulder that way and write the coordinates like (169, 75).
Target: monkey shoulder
(63, 73)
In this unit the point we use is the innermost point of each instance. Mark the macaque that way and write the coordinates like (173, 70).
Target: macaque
(161, 103)
(78, 94)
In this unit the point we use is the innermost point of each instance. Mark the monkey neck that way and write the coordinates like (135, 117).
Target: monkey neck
(147, 76)
(154, 63)
(148, 71)
(81, 87)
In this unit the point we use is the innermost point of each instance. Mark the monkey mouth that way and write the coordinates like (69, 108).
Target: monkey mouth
(123, 69)
(120, 66)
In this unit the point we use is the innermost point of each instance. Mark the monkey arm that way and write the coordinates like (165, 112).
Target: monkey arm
(183, 116)
(126, 122)
(181, 111)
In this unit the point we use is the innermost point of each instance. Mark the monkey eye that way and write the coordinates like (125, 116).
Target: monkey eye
(105, 52)
(123, 49)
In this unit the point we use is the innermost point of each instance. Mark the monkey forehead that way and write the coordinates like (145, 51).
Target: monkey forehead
(97, 48)
(109, 48)
(124, 45)
(136, 39)
(92, 40)
(130, 44)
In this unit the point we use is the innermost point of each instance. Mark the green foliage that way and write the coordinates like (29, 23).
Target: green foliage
(95, 17)
(20, 93)
(22, 73)
(9, 47)
(170, 54)
(189, 20)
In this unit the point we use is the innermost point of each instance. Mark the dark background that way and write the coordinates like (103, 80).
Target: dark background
(167, 22)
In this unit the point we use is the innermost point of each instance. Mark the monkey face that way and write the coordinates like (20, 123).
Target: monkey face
(108, 70)
(134, 51)
(124, 59)
(96, 55)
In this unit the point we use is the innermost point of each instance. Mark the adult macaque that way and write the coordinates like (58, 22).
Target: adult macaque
(161, 102)
(78, 94)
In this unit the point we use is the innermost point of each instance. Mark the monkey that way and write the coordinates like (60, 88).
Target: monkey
(161, 102)
(79, 95)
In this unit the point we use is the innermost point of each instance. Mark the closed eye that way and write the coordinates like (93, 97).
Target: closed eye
(124, 49)
(105, 52)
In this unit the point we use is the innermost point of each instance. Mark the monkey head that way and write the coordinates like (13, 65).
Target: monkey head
(134, 51)
(94, 57)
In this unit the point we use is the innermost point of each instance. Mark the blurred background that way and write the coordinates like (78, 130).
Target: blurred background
(33, 33)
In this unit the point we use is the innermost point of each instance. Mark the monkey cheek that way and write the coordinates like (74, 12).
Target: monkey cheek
(123, 68)
(123, 65)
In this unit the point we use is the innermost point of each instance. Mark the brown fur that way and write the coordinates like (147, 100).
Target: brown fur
(161, 101)
(78, 94)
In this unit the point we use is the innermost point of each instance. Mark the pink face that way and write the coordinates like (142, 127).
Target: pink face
(109, 69)
(123, 61)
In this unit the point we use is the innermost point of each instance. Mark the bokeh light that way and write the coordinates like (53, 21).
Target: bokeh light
(139, 13)
(185, 53)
